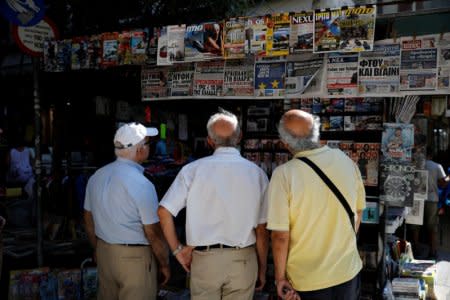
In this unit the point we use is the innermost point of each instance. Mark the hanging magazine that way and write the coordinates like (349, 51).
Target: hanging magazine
(346, 29)
(302, 70)
(162, 58)
(208, 78)
(278, 30)
(124, 50)
(255, 36)
(212, 40)
(110, 49)
(371, 214)
(193, 43)
(80, 57)
(379, 71)
(234, 38)
(269, 78)
(239, 77)
(301, 32)
(366, 157)
(397, 142)
(138, 47)
(95, 49)
(175, 42)
(397, 184)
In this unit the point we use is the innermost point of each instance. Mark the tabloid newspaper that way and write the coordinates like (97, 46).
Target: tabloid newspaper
(418, 69)
(346, 29)
(153, 82)
(443, 83)
(208, 78)
(239, 77)
(278, 30)
(180, 80)
(342, 74)
(234, 38)
(302, 70)
(379, 71)
(269, 78)
(302, 31)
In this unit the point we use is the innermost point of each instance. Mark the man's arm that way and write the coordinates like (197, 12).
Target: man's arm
(443, 182)
(154, 235)
(90, 228)
(262, 248)
(183, 254)
(280, 249)
(359, 214)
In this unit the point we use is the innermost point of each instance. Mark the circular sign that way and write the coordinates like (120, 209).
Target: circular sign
(31, 39)
(23, 12)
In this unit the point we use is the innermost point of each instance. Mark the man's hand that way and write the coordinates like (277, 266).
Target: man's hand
(165, 274)
(261, 281)
(184, 257)
(286, 291)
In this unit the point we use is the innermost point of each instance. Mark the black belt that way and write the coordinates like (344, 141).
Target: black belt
(134, 245)
(218, 246)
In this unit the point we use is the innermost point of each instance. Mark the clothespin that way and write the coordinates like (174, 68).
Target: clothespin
(414, 36)
(394, 35)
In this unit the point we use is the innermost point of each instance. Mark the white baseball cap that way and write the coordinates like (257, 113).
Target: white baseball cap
(130, 134)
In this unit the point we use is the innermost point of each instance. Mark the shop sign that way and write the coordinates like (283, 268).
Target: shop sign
(23, 12)
(31, 39)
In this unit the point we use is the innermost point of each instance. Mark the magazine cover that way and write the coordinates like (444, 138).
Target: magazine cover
(278, 30)
(138, 47)
(301, 32)
(234, 38)
(213, 40)
(415, 215)
(252, 144)
(342, 74)
(25, 284)
(443, 83)
(95, 48)
(180, 80)
(239, 77)
(397, 184)
(175, 42)
(162, 58)
(419, 154)
(269, 79)
(420, 184)
(69, 284)
(266, 163)
(358, 123)
(397, 142)
(254, 157)
(371, 214)
(302, 70)
(193, 43)
(110, 49)
(80, 57)
(152, 36)
(90, 283)
(255, 36)
(346, 29)
(153, 83)
(367, 159)
(50, 48)
(379, 71)
(124, 50)
(208, 78)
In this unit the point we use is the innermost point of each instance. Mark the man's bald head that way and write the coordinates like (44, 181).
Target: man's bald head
(223, 129)
(299, 130)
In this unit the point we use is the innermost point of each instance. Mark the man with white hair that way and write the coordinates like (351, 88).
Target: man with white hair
(226, 236)
(120, 213)
(313, 200)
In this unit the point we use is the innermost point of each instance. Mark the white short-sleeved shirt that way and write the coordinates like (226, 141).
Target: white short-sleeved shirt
(121, 200)
(224, 196)
(435, 172)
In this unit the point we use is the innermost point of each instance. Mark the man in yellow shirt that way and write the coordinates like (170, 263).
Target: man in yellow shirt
(313, 239)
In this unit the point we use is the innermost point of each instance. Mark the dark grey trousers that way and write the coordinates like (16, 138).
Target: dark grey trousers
(349, 290)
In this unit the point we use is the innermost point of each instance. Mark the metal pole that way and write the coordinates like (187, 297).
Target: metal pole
(37, 164)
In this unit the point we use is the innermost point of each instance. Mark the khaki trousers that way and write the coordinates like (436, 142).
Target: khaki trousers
(228, 274)
(126, 272)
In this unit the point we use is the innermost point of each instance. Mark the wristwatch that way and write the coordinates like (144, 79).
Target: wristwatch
(177, 250)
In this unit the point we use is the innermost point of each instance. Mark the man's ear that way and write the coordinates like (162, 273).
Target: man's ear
(210, 142)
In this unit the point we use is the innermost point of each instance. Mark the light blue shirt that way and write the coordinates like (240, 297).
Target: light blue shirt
(121, 200)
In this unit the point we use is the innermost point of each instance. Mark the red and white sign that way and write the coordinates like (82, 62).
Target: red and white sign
(31, 39)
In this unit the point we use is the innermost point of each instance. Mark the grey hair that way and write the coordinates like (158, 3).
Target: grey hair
(298, 143)
(230, 141)
(130, 152)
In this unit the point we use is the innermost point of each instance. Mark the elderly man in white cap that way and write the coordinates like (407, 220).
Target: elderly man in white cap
(122, 222)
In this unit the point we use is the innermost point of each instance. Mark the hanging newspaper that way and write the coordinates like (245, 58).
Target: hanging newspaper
(379, 71)
(444, 66)
(301, 71)
(255, 36)
(342, 74)
(239, 77)
(208, 78)
(302, 31)
(180, 80)
(234, 38)
(162, 58)
(418, 69)
(153, 83)
(175, 42)
(397, 142)
(193, 43)
(346, 29)
(269, 79)
(278, 30)
(396, 184)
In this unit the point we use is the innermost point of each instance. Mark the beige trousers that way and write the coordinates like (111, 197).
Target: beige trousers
(228, 274)
(126, 273)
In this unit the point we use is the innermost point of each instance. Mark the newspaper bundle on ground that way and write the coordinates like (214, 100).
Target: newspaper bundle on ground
(234, 38)
(342, 74)
(153, 82)
(407, 288)
(418, 69)
(239, 77)
(379, 71)
(396, 184)
(424, 270)
(208, 78)
(397, 142)
(302, 70)
(346, 29)
(278, 30)
(302, 31)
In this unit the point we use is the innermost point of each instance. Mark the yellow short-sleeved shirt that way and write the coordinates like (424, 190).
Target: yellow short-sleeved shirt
(322, 246)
